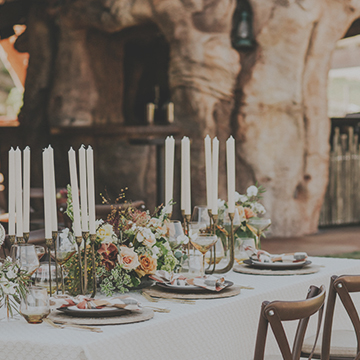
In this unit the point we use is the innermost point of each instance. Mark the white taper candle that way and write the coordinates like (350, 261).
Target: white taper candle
(26, 192)
(91, 189)
(47, 199)
(208, 167)
(169, 171)
(19, 194)
(11, 192)
(83, 189)
(74, 192)
(215, 177)
(52, 189)
(230, 157)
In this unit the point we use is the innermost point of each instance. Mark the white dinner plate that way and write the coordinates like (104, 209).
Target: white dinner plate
(277, 265)
(103, 312)
(190, 288)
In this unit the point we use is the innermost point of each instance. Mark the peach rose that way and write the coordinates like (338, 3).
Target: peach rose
(128, 258)
(249, 213)
(241, 212)
(147, 265)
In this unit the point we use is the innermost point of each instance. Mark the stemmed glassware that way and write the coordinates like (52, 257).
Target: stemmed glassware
(40, 251)
(200, 215)
(176, 236)
(65, 249)
(203, 242)
(260, 225)
(26, 256)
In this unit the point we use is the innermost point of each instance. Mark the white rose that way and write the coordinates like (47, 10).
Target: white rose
(221, 203)
(155, 251)
(182, 239)
(237, 197)
(258, 208)
(105, 233)
(252, 191)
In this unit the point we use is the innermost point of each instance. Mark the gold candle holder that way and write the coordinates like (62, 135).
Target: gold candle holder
(20, 240)
(54, 235)
(26, 237)
(49, 243)
(229, 266)
(92, 240)
(85, 236)
(79, 241)
(12, 239)
(187, 223)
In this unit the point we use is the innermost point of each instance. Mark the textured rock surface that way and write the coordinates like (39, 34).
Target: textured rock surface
(282, 119)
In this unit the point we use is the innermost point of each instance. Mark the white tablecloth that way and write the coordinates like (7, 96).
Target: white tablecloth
(210, 329)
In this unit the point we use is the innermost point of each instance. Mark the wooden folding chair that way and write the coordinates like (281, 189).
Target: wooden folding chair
(275, 312)
(339, 344)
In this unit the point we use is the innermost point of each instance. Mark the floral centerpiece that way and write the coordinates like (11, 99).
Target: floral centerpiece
(130, 244)
(247, 207)
(13, 282)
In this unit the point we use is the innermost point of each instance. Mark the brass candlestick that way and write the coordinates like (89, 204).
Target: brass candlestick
(49, 243)
(92, 240)
(54, 235)
(229, 266)
(187, 224)
(85, 236)
(213, 221)
(79, 241)
(12, 239)
(26, 237)
(20, 240)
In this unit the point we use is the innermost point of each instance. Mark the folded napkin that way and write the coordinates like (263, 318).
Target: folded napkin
(265, 257)
(208, 282)
(84, 302)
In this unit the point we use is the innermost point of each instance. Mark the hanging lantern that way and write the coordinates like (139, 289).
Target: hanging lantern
(242, 37)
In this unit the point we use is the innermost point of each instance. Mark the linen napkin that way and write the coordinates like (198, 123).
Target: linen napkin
(84, 302)
(208, 282)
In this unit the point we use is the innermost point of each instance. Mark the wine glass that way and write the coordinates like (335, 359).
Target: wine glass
(176, 236)
(203, 242)
(260, 225)
(65, 249)
(40, 251)
(200, 214)
(34, 307)
(25, 255)
(217, 251)
(42, 277)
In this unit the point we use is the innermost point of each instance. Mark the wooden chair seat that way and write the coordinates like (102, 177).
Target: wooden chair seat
(343, 344)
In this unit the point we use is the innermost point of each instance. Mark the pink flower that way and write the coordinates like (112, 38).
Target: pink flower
(128, 258)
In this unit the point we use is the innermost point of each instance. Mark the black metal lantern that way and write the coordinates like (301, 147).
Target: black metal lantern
(242, 37)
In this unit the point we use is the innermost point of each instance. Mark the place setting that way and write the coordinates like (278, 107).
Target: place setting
(251, 260)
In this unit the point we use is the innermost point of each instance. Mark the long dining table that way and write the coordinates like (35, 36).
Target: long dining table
(209, 329)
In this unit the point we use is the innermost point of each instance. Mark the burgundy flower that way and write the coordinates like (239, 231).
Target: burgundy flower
(108, 252)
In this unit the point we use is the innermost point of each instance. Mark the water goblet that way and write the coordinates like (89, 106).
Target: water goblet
(203, 242)
(200, 214)
(26, 256)
(65, 249)
(260, 225)
(34, 307)
(243, 248)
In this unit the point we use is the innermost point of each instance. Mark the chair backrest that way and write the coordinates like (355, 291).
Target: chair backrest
(277, 311)
(341, 286)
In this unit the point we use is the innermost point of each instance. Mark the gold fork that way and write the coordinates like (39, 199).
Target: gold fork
(63, 324)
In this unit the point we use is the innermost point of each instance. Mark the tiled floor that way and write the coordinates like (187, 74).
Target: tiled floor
(329, 241)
